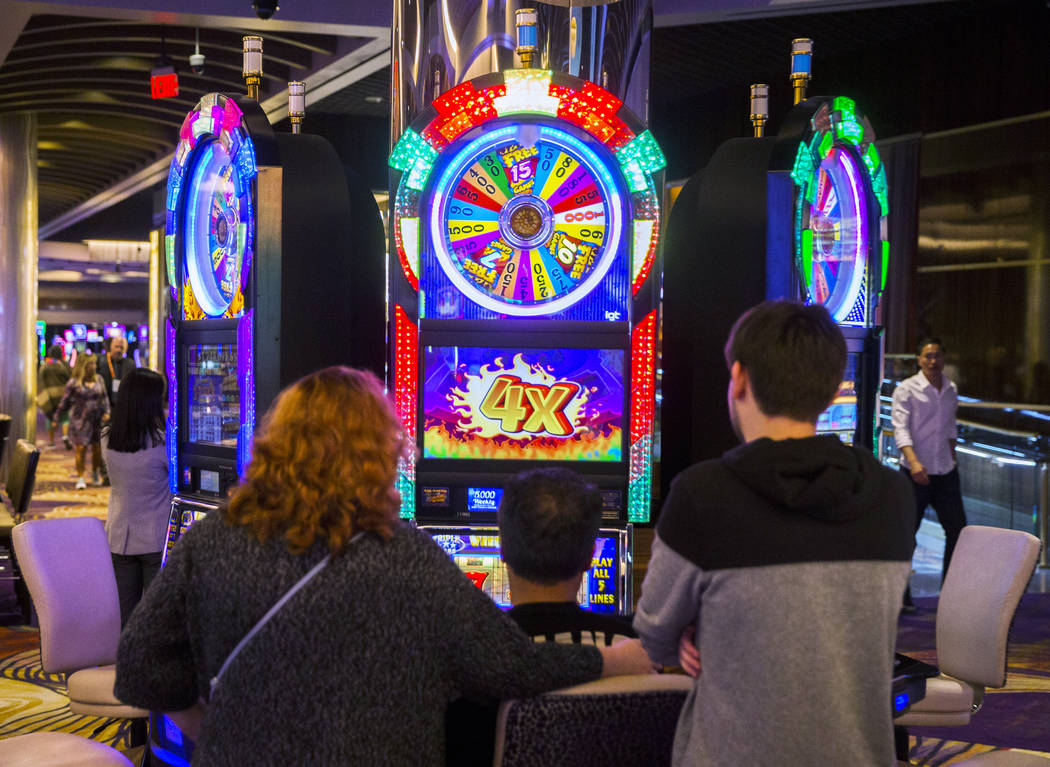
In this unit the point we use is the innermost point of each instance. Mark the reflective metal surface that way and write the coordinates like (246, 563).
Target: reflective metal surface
(437, 44)
(18, 273)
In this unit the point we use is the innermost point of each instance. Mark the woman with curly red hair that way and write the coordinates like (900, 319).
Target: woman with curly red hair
(358, 665)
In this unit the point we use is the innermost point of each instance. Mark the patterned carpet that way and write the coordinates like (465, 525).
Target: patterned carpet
(1017, 717)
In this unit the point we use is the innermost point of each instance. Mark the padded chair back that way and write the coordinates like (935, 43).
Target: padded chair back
(68, 570)
(21, 477)
(628, 721)
(990, 569)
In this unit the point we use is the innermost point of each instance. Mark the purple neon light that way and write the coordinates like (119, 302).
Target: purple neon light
(173, 410)
(860, 256)
(246, 381)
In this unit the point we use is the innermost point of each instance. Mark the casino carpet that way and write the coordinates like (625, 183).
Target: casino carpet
(1018, 717)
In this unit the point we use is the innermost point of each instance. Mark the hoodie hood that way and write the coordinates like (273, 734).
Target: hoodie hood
(817, 476)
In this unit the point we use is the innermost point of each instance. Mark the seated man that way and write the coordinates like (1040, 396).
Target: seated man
(787, 556)
(548, 520)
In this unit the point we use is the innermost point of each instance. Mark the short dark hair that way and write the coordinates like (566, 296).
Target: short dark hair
(137, 421)
(928, 340)
(56, 352)
(548, 519)
(794, 356)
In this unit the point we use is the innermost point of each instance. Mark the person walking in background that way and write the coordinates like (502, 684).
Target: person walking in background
(114, 366)
(133, 444)
(783, 561)
(386, 633)
(924, 429)
(51, 380)
(87, 403)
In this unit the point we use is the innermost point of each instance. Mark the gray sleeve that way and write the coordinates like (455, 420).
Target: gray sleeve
(899, 415)
(670, 602)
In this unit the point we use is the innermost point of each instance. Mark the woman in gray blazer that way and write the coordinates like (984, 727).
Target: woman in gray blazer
(139, 504)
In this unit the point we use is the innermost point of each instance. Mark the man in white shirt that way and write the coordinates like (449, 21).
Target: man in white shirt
(924, 428)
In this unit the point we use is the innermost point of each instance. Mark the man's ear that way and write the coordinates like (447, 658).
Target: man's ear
(738, 380)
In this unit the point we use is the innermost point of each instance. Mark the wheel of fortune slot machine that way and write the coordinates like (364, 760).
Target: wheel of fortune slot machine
(524, 296)
(265, 233)
(840, 250)
(801, 215)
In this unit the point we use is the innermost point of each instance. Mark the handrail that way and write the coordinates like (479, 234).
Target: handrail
(1004, 405)
(967, 402)
(985, 427)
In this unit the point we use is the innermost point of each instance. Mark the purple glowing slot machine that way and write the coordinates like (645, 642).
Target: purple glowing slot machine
(800, 216)
(523, 304)
(265, 232)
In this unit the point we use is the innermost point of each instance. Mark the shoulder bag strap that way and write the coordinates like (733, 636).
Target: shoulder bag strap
(270, 613)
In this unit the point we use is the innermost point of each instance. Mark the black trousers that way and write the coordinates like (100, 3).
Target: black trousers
(945, 496)
(134, 574)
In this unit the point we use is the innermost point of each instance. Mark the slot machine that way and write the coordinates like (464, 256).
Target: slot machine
(801, 216)
(524, 289)
(263, 233)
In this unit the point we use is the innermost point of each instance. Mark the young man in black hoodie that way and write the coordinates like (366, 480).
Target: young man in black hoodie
(777, 569)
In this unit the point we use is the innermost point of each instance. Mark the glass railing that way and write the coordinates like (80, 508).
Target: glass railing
(1003, 471)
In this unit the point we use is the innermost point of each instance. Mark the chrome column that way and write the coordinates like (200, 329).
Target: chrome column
(18, 273)
(437, 44)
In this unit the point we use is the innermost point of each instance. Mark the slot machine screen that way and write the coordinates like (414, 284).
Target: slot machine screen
(841, 416)
(214, 409)
(477, 553)
(517, 403)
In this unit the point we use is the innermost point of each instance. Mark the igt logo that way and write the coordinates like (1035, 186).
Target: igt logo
(529, 407)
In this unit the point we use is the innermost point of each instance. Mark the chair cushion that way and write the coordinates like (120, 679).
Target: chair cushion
(91, 693)
(58, 749)
(93, 685)
(948, 702)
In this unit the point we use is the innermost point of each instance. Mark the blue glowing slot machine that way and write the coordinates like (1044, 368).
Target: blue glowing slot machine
(802, 216)
(252, 216)
(265, 233)
(524, 287)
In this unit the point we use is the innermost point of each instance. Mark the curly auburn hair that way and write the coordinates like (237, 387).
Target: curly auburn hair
(323, 464)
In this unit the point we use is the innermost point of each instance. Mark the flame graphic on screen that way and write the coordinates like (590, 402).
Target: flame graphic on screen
(582, 446)
(467, 400)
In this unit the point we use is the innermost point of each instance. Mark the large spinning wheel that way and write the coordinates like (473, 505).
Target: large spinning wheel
(840, 213)
(210, 220)
(528, 189)
(527, 219)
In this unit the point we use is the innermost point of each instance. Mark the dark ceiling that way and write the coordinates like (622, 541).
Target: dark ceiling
(88, 80)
